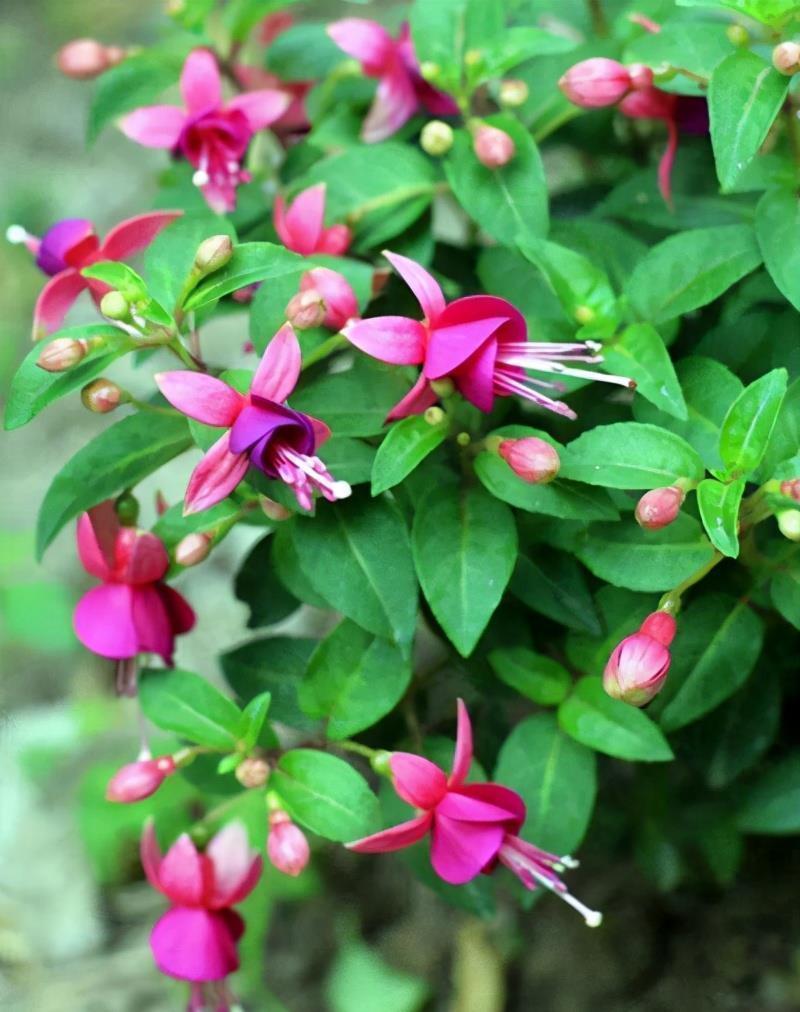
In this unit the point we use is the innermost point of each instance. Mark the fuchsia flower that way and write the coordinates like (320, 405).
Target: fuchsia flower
(133, 611)
(638, 667)
(338, 299)
(300, 226)
(263, 432)
(195, 940)
(401, 88)
(472, 826)
(480, 342)
(72, 244)
(210, 134)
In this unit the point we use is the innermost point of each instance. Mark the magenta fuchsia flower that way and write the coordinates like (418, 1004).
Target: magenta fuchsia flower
(210, 134)
(472, 826)
(195, 940)
(262, 431)
(638, 667)
(338, 298)
(401, 88)
(72, 244)
(133, 611)
(480, 342)
(300, 226)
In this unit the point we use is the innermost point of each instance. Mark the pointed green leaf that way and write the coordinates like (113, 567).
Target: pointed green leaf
(639, 353)
(537, 677)
(719, 511)
(748, 425)
(406, 445)
(188, 705)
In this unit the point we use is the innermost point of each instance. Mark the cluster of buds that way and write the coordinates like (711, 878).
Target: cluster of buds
(659, 507)
(493, 147)
(530, 458)
(287, 846)
(638, 666)
(600, 82)
(82, 59)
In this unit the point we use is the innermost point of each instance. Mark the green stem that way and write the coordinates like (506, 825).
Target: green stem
(178, 349)
(355, 746)
(671, 601)
(155, 408)
(333, 343)
(598, 17)
(566, 114)
(395, 197)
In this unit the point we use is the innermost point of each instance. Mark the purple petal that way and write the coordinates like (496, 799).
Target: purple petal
(475, 377)
(181, 614)
(450, 347)
(152, 622)
(500, 797)
(62, 239)
(104, 621)
(461, 850)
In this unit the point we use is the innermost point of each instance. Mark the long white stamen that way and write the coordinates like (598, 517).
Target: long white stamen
(16, 234)
(506, 384)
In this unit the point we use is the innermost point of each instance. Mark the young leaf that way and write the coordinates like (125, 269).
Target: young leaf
(407, 443)
(539, 678)
(719, 511)
(639, 352)
(253, 717)
(445, 31)
(578, 284)
(251, 262)
(188, 705)
(699, 46)
(749, 423)
(771, 803)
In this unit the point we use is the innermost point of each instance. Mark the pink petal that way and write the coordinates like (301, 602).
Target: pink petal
(181, 614)
(461, 850)
(482, 307)
(103, 621)
(475, 377)
(200, 83)
(438, 103)
(54, 301)
(154, 126)
(462, 758)
(147, 558)
(366, 41)
(463, 807)
(395, 103)
(450, 347)
(236, 867)
(201, 396)
(194, 945)
(300, 226)
(398, 837)
(152, 622)
(422, 284)
(217, 474)
(150, 854)
(97, 538)
(667, 161)
(221, 196)
(500, 797)
(135, 234)
(418, 781)
(322, 432)
(279, 369)
(393, 339)
(261, 108)
(418, 399)
(184, 875)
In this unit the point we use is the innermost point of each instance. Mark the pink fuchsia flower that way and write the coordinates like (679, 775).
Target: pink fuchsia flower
(659, 507)
(195, 940)
(472, 826)
(210, 134)
(595, 83)
(638, 667)
(480, 342)
(140, 779)
(133, 611)
(338, 299)
(72, 244)
(287, 846)
(262, 430)
(300, 226)
(402, 90)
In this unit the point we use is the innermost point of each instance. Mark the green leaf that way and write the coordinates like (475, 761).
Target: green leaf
(303, 52)
(699, 46)
(172, 525)
(608, 725)
(621, 612)
(276, 665)
(578, 284)
(169, 258)
(777, 224)
(556, 778)
(353, 679)
(515, 46)
(188, 705)
(785, 594)
(719, 511)
(749, 422)
(537, 677)
(630, 455)
(348, 459)
(465, 547)
(554, 585)
(745, 95)
(326, 795)
(267, 599)
(768, 12)
(691, 269)
(251, 262)
(356, 402)
(359, 970)
(445, 31)
(771, 803)
(627, 556)
(254, 715)
(407, 443)
(120, 457)
(639, 352)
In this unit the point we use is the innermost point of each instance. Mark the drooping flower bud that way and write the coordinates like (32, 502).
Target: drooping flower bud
(789, 524)
(62, 354)
(436, 138)
(338, 298)
(786, 58)
(595, 83)
(513, 93)
(434, 415)
(791, 488)
(661, 625)
(213, 253)
(82, 59)
(659, 507)
(638, 666)
(253, 772)
(532, 459)
(115, 306)
(287, 846)
(306, 310)
(101, 396)
(139, 780)
(192, 548)
(274, 510)
(493, 148)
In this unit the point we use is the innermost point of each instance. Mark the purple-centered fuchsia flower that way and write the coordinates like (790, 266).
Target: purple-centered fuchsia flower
(212, 135)
(262, 430)
(402, 90)
(72, 244)
(472, 826)
(195, 940)
(480, 342)
(301, 225)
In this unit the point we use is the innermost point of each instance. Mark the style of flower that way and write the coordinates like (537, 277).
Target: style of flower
(210, 134)
(72, 244)
(133, 611)
(402, 90)
(262, 431)
(472, 827)
(195, 940)
(480, 342)
(300, 226)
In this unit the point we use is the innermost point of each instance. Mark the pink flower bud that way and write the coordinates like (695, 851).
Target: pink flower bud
(306, 310)
(252, 772)
(649, 103)
(62, 354)
(636, 670)
(786, 58)
(532, 459)
(192, 549)
(139, 780)
(82, 59)
(595, 83)
(335, 240)
(661, 626)
(791, 488)
(274, 510)
(338, 298)
(659, 507)
(101, 396)
(287, 846)
(493, 148)
(641, 76)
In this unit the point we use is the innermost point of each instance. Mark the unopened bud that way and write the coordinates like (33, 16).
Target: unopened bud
(532, 459)
(595, 83)
(584, 314)
(493, 148)
(786, 58)
(659, 507)
(473, 57)
(115, 306)
(192, 548)
(443, 387)
(139, 780)
(287, 846)
(641, 76)
(253, 772)
(127, 509)
(513, 93)
(306, 310)
(213, 253)
(789, 524)
(82, 59)
(429, 70)
(463, 439)
(638, 667)
(335, 241)
(339, 301)
(738, 35)
(791, 488)
(274, 510)
(101, 396)
(434, 416)
(436, 138)
(62, 354)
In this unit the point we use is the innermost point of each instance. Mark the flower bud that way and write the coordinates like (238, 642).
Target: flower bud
(584, 314)
(786, 58)
(661, 625)
(82, 59)
(139, 780)
(429, 70)
(513, 93)
(473, 57)
(338, 298)
(640, 75)
(638, 666)
(213, 253)
(789, 524)
(434, 415)
(493, 148)
(436, 138)
(791, 488)
(306, 310)
(287, 846)
(444, 387)
(192, 549)
(659, 507)
(62, 354)
(101, 396)
(115, 306)
(532, 459)
(595, 83)
(253, 772)
(127, 508)
(738, 35)
(274, 510)
(335, 241)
